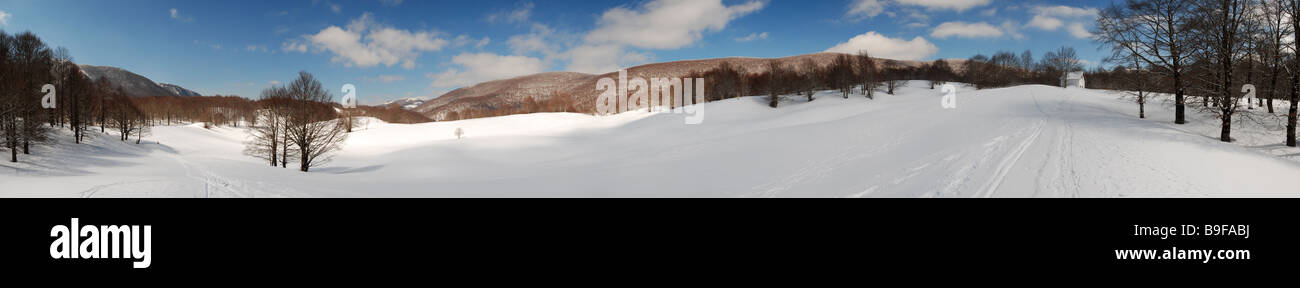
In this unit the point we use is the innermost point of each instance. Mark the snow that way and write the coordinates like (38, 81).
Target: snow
(1026, 141)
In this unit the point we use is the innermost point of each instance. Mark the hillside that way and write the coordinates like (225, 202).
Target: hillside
(135, 85)
(1026, 141)
(179, 91)
(511, 92)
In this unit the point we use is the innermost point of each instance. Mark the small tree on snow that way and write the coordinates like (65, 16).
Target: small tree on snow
(460, 133)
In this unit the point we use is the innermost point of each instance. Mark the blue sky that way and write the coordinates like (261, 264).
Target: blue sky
(392, 49)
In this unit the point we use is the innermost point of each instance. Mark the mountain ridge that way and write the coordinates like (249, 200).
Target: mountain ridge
(135, 85)
(581, 86)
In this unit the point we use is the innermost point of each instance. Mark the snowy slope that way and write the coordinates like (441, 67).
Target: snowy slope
(1028, 141)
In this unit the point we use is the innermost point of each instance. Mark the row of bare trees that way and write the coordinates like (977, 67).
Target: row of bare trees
(1209, 48)
(845, 74)
(1006, 68)
(24, 69)
(28, 110)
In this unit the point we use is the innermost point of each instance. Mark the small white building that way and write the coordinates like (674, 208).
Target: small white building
(1072, 79)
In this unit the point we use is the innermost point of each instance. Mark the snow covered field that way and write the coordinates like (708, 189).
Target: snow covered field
(1027, 141)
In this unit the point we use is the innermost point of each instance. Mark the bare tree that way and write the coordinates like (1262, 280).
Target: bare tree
(842, 76)
(1062, 61)
(867, 74)
(1027, 62)
(76, 88)
(940, 72)
(811, 72)
(1137, 81)
(1222, 26)
(9, 100)
(313, 126)
(123, 115)
(893, 78)
(1294, 14)
(268, 129)
(1275, 29)
(1157, 32)
(31, 58)
(775, 79)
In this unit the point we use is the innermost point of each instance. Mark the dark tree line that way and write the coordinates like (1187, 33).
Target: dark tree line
(1207, 48)
(845, 73)
(27, 65)
(1006, 68)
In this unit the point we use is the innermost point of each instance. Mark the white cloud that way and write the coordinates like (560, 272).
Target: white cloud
(884, 47)
(1046, 23)
(956, 5)
(273, 82)
(294, 46)
(365, 43)
(860, 9)
(1079, 31)
(4, 18)
(482, 67)
(336, 8)
(752, 37)
(1012, 29)
(596, 59)
(989, 12)
(1052, 18)
(658, 24)
(666, 24)
(966, 30)
(1065, 11)
(519, 15)
(541, 39)
(176, 15)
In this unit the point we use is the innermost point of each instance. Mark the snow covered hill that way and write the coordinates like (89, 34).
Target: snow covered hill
(1027, 141)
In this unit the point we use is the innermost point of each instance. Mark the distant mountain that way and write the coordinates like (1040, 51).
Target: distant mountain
(179, 91)
(134, 84)
(582, 87)
(408, 104)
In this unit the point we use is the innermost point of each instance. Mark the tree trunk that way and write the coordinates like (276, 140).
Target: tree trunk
(1142, 106)
(274, 150)
(1179, 105)
(27, 147)
(304, 163)
(13, 151)
(1225, 134)
(1291, 116)
(1272, 89)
